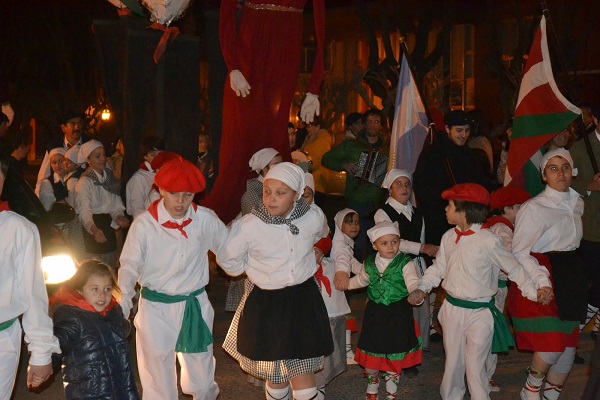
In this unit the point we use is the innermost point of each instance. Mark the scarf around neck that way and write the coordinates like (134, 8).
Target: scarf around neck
(300, 208)
(110, 184)
(71, 297)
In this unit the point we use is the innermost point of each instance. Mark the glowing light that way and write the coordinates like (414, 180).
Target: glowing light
(105, 114)
(58, 268)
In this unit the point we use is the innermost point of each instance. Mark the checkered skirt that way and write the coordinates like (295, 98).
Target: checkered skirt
(278, 371)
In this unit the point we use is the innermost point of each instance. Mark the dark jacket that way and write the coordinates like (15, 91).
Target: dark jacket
(431, 179)
(95, 354)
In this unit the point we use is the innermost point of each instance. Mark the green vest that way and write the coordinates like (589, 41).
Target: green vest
(502, 337)
(389, 286)
(194, 335)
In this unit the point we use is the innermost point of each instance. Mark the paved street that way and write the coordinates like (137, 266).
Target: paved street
(351, 384)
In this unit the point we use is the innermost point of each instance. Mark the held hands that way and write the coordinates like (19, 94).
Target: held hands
(38, 374)
(341, 280)
(98, 234)
(350, 168)
(310, 108)
(594, 185)
(430, 249)
(122, 221)
(239, 84)
(545, 295)
(417, 297)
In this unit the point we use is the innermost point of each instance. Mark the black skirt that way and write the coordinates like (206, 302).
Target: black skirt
(570, 284)
(388, 329)
(287, 323)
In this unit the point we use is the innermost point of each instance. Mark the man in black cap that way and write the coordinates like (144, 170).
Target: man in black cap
(442, 164)
(71, 125)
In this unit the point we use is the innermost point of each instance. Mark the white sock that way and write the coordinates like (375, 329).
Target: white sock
(308, 394)
(277, 394)
(533, 385)
(348, 340)
(372, 381)
(391, 384)
(551, 391)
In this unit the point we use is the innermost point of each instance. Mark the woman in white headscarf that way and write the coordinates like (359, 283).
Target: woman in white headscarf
(280, 331)
(99, 205)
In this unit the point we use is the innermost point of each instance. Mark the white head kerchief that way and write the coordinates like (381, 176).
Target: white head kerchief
(290, 174)
(383, 228)
(261, 159)
(394, 174)
(87, 148)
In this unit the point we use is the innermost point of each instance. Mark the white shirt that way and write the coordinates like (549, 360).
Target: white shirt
(162, 259)
(551, 221)
(342, 253)
(137, 190)
(470, 268)
(506, 234)
(271, 255)
(22, 286)
(411, 279)
(46, 192)
(336, 304)
(94, 199)
(406, 246)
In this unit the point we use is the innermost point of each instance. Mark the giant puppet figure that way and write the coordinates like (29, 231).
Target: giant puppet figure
(262, 53)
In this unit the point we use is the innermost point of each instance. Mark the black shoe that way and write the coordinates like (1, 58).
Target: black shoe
(412, 371)
(594, 335)
(578, 359)
(435, 338)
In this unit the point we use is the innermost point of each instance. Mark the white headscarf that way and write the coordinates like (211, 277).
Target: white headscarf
(339, 238)
(310, 180)
(383, 228)
(86, 150)
(394, 174)
(261, 159)
(55, 151)
(73, 153)
(560, 152)
(290, 174)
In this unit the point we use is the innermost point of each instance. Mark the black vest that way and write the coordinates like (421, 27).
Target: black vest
(59, 188)
(409, 230)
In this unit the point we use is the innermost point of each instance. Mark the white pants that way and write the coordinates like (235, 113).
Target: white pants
(10, 350)
(467, 341)
(492, 360)
(158, 327)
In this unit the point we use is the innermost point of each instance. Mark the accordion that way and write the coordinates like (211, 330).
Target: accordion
(372, 167)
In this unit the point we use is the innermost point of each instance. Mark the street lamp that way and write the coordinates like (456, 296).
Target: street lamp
(105, 114)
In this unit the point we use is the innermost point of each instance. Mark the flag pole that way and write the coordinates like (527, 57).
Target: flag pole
(406, 54)
(563, 67)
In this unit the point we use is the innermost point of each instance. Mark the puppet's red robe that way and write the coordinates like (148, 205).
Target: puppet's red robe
(266, 48)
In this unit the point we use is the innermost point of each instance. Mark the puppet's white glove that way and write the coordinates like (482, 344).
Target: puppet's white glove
(238, 83)
(310, 108)
(7, 109)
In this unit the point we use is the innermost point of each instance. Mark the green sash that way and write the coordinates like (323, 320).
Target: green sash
(502, 283)
(7, 324)
(194, 336)
(502, 337)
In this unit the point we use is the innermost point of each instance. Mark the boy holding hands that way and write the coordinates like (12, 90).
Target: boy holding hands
(469, 261)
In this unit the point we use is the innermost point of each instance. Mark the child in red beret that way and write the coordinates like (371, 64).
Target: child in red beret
(504, 204)
(166, 252)
(468, 265)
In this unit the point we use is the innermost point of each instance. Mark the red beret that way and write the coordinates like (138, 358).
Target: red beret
(162, 158)
(468, 192)
(180, 175)
(324, 244)
(508, 196)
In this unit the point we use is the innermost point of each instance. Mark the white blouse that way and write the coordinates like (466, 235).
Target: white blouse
(137, 189)
(271, 255)
(551, 221)
(94, 199)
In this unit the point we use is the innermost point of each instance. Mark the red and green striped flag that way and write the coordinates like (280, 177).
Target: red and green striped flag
(541, 112)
